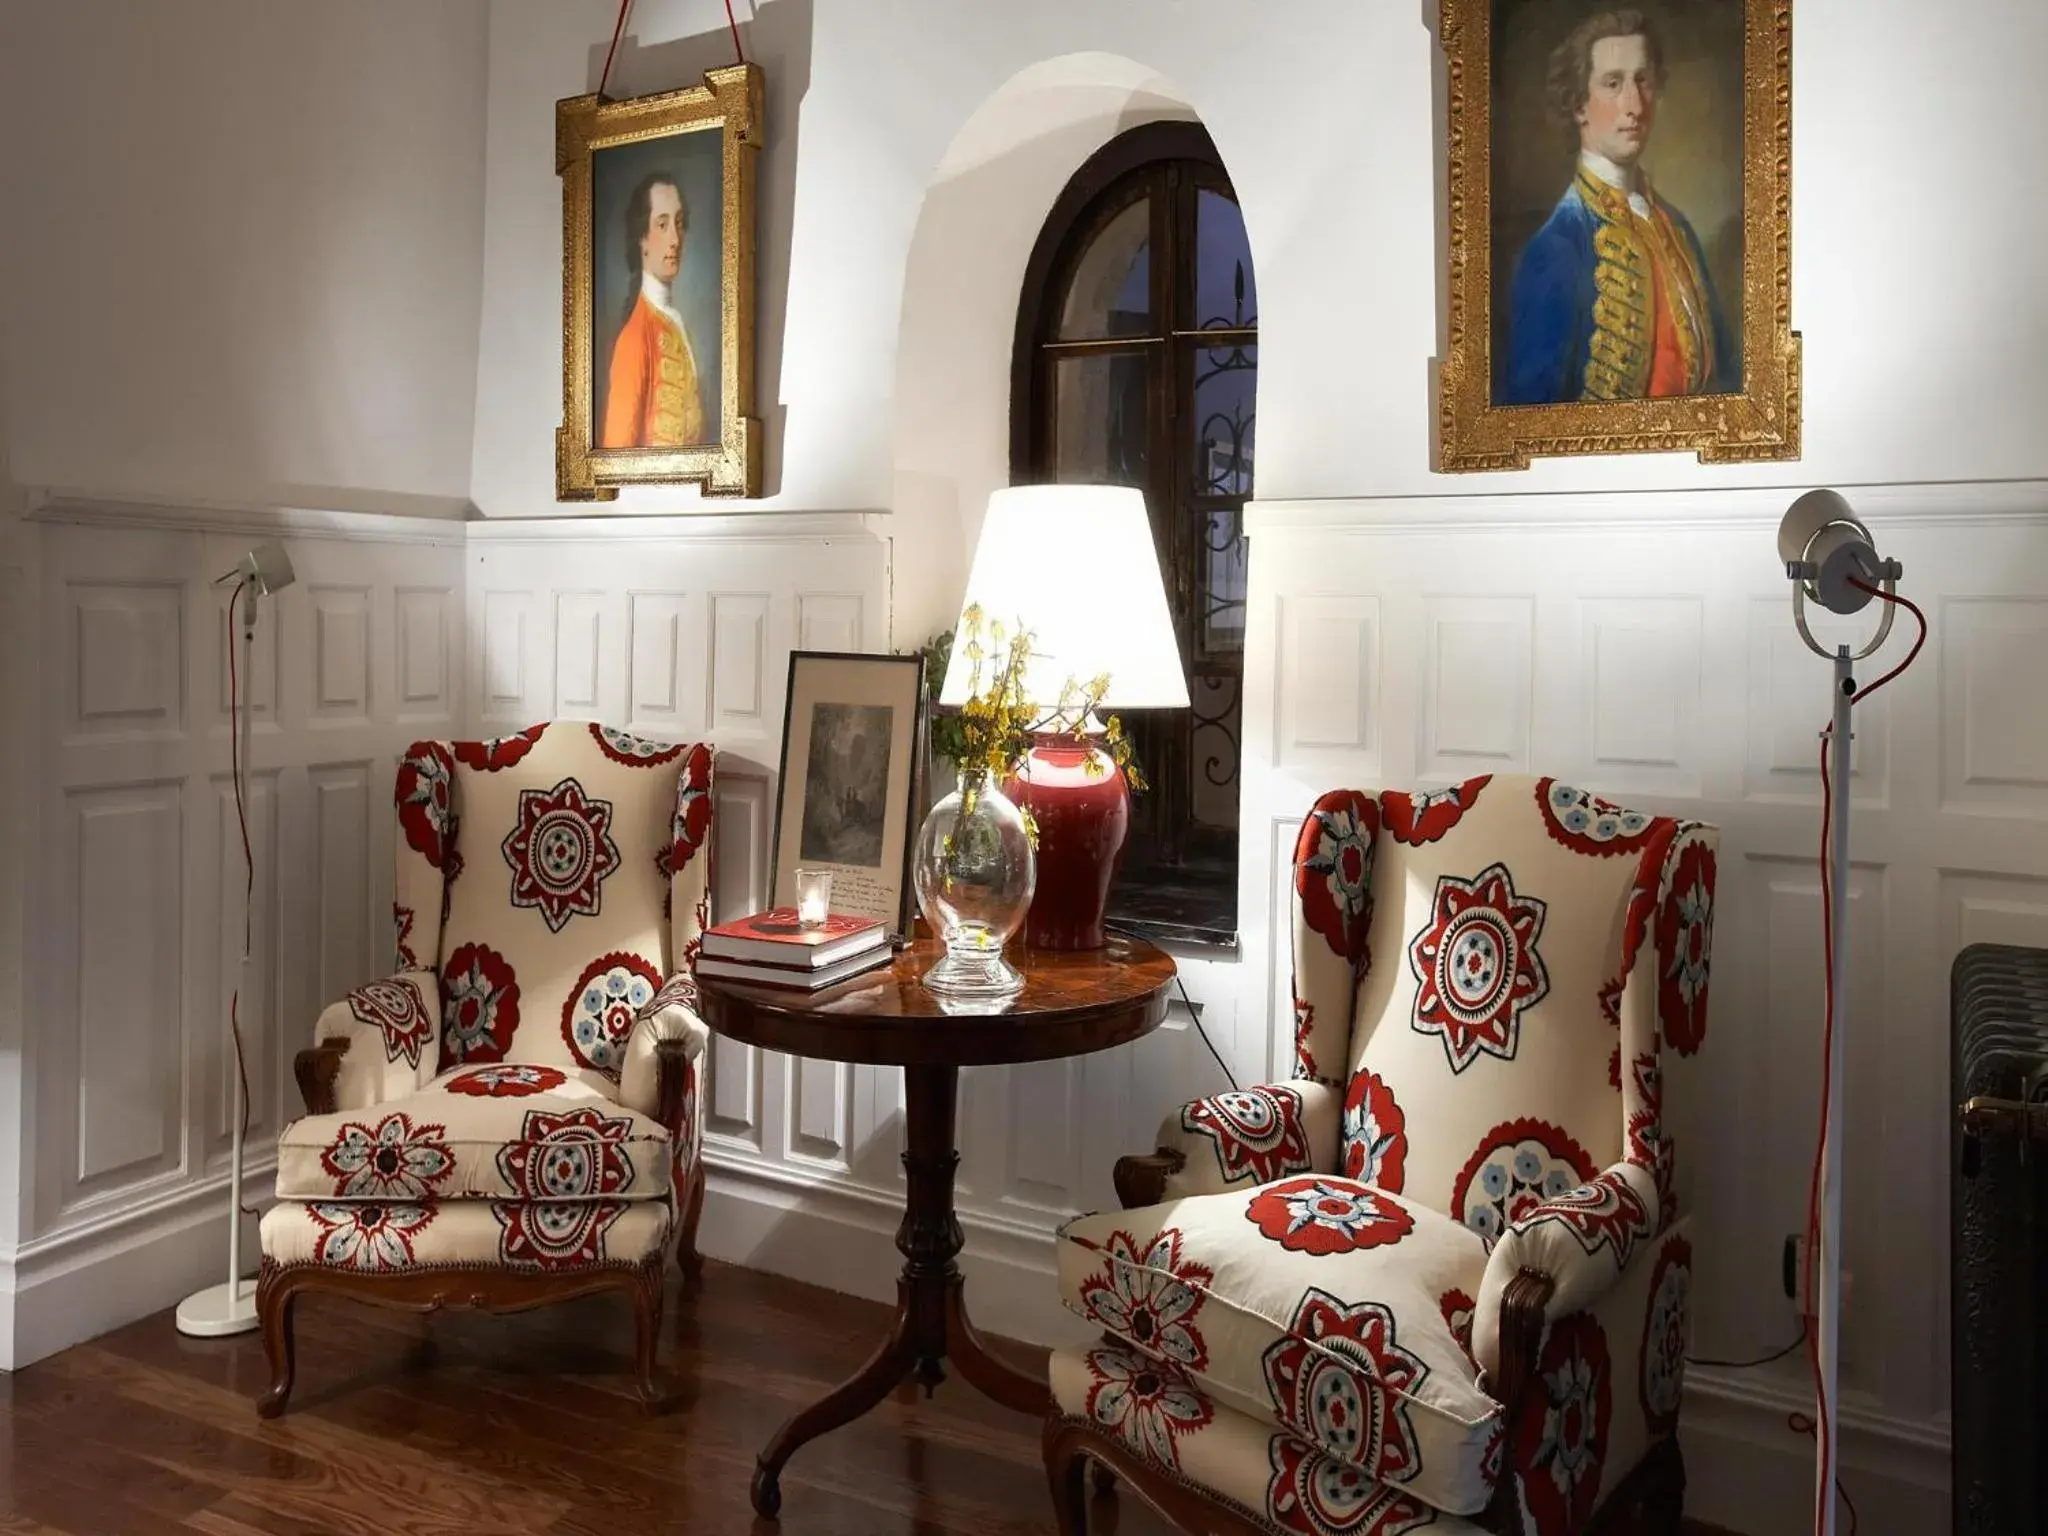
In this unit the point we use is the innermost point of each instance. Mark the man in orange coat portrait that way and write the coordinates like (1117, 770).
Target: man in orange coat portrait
(653, 399)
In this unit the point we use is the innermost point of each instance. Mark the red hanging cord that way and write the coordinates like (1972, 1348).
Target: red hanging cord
(605, 79)
(738, 53)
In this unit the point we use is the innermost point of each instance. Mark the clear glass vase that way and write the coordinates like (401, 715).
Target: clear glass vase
(975, 872)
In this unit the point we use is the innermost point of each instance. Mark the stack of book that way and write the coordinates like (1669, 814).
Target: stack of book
(771, 948)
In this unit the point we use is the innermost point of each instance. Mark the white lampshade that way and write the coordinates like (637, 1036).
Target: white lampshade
(1074, 564)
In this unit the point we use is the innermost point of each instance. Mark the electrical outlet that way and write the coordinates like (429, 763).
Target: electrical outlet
(1793, 1266)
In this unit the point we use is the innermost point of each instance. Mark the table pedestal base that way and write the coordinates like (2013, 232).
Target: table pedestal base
(931, 1314)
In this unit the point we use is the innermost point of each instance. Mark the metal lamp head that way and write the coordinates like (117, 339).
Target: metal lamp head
(1832, 560)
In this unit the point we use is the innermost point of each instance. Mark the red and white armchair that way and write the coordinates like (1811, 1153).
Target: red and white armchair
(511, 1118)
(1439, 1278)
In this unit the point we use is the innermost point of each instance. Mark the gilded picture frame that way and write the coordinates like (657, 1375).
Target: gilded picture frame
(658, 272)
(1511, 386)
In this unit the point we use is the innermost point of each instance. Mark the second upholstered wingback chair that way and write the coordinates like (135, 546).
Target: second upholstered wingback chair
(1439, 1276)
(511, 1118)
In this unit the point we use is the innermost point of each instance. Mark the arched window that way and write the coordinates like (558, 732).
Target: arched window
(1136, 363)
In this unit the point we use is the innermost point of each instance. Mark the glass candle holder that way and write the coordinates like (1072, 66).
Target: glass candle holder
(813, 897)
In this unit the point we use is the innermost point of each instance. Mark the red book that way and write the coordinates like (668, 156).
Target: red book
(775, 938)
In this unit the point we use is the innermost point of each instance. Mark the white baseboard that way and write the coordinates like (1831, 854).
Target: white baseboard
(1746, 1472)
(77, 1284)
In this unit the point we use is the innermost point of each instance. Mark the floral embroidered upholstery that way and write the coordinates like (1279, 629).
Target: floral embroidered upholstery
(1315, 1304)
(498, 1098)
(1497, 987)
(484, 1133)
(1273, 1479)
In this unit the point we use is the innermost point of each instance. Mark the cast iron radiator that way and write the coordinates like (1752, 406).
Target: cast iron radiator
(1998, 1176)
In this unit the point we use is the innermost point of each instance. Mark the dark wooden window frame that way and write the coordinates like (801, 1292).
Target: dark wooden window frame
(1171, 162)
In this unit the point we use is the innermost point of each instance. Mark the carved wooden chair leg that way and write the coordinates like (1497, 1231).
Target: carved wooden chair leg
(274, 1298)
(1664, 1498)
(687, 1256)
(646, 1293)
(1066, 1474)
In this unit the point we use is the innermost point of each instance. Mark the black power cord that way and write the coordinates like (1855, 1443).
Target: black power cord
(1749, 1365)
(1194, 1013)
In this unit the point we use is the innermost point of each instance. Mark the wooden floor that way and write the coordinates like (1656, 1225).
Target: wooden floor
(462, 1424)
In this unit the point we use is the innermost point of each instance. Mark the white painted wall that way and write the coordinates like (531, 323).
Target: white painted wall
(243, 241)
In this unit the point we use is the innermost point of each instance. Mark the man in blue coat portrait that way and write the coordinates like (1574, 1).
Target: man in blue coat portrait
(1611, 299)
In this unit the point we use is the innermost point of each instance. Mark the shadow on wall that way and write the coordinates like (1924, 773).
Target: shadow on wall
(981, 216)
(778, 38)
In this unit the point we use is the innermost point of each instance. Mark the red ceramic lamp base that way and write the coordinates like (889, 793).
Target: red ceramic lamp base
(1077, 795)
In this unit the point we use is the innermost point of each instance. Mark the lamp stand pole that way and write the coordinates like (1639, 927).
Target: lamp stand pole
(1828, 1306)
(231, 1308)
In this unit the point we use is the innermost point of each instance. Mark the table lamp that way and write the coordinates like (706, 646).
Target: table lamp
(1075, 565)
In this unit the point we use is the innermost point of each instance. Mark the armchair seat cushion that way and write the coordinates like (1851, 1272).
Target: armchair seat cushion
(538, 1236)
(505, 1131)
(1270, 1477)
(1319, 1305)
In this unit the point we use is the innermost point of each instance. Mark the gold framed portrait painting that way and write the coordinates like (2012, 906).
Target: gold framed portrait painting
(1619, 241)
(658, 289)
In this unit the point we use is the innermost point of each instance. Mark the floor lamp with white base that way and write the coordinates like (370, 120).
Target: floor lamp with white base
(231, 1307)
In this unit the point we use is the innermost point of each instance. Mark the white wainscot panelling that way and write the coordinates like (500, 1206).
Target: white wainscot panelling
(1993, 909)
(579, 636)
(242, 991)
(259, 688)
(1478, 671)
(664, 688)
(1045, 1141)
(1994, 705)
(1789, 703)
(426, 629)
(340, 691)
(739, 662)
(130, 648)
(1640, 678)
(1328, 684)
(828, 621)
(127, 844)
(740, 841)
(820, 1111)
(503, 697)
(343, 952)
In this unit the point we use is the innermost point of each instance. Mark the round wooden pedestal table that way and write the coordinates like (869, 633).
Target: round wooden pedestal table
(1072, 1003)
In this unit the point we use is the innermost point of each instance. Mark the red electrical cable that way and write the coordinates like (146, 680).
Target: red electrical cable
(605, 79)
(1828, 1477)
(737, 52)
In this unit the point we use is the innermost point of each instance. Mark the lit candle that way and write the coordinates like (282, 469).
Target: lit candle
(813, 897)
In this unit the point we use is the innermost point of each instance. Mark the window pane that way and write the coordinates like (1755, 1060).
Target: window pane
(1225, 292)
(1226, 390)
(1099, 419)
(1220, 599)
(1111, 290)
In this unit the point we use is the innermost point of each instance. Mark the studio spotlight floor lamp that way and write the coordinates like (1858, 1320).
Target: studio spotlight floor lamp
(1831, 559)
(265, 570)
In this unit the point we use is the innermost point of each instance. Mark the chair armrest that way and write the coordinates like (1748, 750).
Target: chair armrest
(380, 1042)
(1557, 1258)
(1237, 1140)
(664, 1064)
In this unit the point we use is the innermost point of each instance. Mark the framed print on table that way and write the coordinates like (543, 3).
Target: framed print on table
(847, 798)
(1620, 196)
(658, 289)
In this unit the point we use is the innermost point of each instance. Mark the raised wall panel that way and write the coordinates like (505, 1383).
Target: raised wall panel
(259, 688)
(661, 692)
(341, 654)
(1329, 679)
(243, 991)
(1640, 679)
(425, 621)
(1042, 1111)
(828, 621)
(128, 843)
(821, 1110)
(740, 828)
(1994, 704)
(579, 618)
(130, 645)
(739, 662)
(504, 659)
(344, 955)
(1993, 909)
(1790, 701)
(735, 1092)
(1477, 674)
